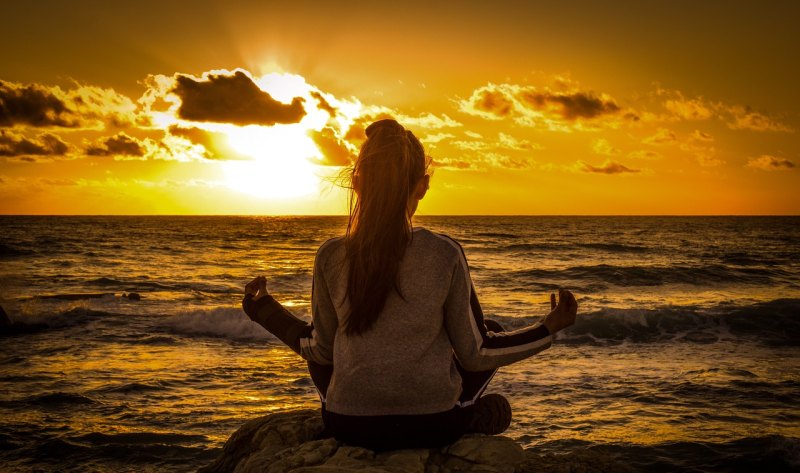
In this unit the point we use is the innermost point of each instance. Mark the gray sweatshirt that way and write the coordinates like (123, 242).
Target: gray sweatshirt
(405, 363)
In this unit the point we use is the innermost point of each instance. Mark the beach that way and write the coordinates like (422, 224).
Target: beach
(685, 355)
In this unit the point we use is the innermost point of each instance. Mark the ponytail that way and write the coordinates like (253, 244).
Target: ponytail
(389, 166)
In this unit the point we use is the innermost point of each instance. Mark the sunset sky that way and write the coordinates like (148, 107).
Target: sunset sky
(211, 107)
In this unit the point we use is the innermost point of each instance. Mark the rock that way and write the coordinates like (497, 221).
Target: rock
(133, 296)
(4, 320)
(292, 442)
(8, 328)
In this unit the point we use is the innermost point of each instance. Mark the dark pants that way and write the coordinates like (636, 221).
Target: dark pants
(405, 431)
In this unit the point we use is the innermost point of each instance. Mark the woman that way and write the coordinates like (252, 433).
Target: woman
(398, 347)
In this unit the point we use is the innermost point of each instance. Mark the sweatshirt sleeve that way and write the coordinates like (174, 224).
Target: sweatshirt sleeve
(477, 348)
(317, 344)
(278, 321)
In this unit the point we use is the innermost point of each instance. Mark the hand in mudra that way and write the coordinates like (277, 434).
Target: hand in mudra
(257, 287)
(562, 314)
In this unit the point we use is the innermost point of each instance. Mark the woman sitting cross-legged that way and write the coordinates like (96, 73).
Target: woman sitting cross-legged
(398, 347)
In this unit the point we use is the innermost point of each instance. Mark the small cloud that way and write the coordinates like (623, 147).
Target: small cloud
(604, 147)
(499, 160)
(565, 107)
(767, 162)
(13, 144)
(436, 138)
(662, 137)
(470, 145)
(118, 145)
(231, 98)
(334, 149)
(324, 104)
(509, 142)
(473, 134)
(608, 167)
(58, 182)
(571, 105)
(454, 164)
(743, 118)
(214, 143)
(491, 101)
(427, 120)
(689, 109)
(699, 136)
(703, 153)
(644, 154)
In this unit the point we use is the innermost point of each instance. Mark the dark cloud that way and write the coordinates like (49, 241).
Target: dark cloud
(215, 143)
(334, 149)
(494, 102)
(33, 105)
(117, 145)
(608, 167)
(12, 144)
(324, 104)
(232, 99)
(771, 163)
(571, 106)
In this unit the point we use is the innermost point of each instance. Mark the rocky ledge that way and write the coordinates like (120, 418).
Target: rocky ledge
(290, 442)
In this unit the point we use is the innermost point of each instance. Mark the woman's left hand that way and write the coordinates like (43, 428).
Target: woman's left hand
(257, 287)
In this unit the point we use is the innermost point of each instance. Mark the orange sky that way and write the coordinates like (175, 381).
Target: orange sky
(250, 107)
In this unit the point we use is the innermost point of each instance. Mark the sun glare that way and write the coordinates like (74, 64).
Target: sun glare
(280, 168)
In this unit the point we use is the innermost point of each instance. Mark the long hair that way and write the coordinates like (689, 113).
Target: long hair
(389, 165)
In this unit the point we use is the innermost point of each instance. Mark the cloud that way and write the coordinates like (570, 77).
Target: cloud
(608, 167)
(470, 145)
(644, 154)
(491, 101)
(561, 109)
(766, 162)
(433, 139)
(454, 164)
(33, 105)
(571, 105)
(13, 144)
(737, 117)
(504, 141)
(699, 136)
(232, 98)
(662, 137)
(117, 145)
(743, 118)
(603, 146)
(499, 160)
(37, 105)
(509, 142)
(335, 150)
(689, 109)
(323, 103)
(427, 120)
(214, 143)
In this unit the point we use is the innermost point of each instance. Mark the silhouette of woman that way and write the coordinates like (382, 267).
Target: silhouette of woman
(398, 347)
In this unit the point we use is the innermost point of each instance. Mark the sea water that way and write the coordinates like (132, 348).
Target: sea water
(685, 355)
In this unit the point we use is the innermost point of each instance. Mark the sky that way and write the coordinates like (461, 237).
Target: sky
(540, 108)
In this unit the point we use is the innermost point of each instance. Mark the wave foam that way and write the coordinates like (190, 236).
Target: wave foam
(220, 322)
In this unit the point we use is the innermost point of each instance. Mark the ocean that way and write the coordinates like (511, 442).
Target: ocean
(685, 355)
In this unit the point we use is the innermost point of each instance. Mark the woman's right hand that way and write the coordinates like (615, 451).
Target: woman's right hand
(257, 287)
(562, 314)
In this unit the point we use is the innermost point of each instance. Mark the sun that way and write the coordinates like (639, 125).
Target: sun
(280, 166)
